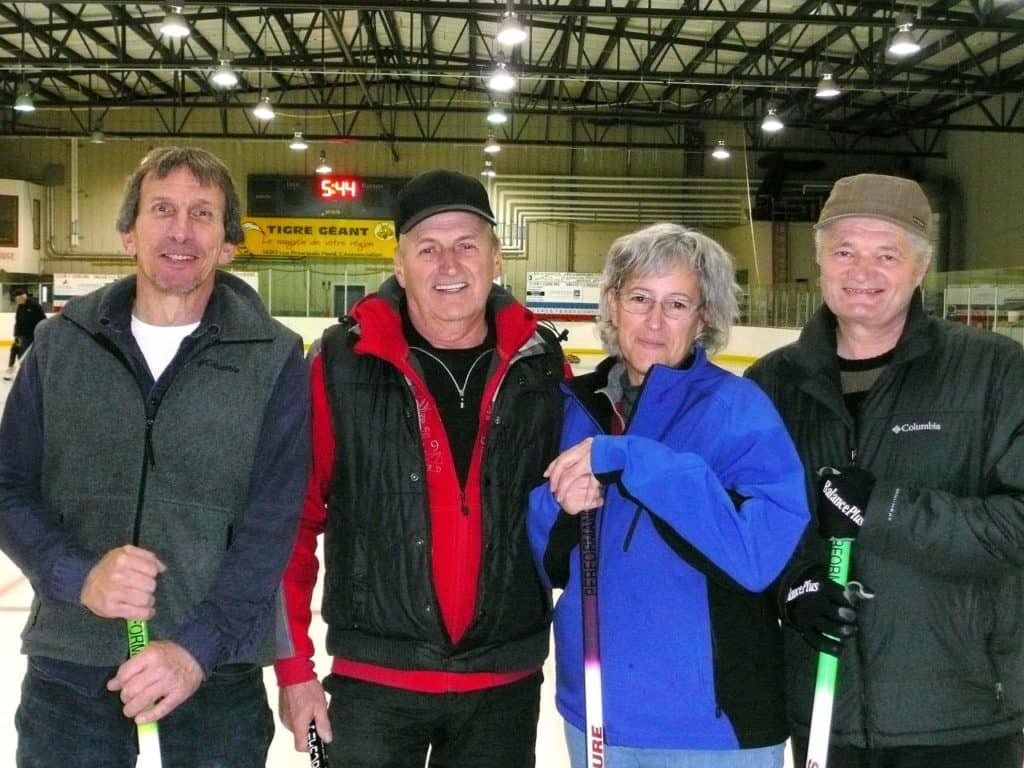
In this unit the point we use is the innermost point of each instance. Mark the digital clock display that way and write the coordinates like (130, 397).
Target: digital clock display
(338, 188)
(339, 195)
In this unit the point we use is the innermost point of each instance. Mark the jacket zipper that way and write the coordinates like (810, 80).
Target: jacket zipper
(858, 645)
(148, 455)
(997, 685)
(148, 460)
(625, 430)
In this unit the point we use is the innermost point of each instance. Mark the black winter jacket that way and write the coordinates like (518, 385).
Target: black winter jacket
(939, 658)
(379, 599)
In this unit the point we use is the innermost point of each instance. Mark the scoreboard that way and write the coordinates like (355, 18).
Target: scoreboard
(334, 196)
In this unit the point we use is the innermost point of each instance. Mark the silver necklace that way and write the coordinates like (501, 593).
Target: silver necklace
(465, 382)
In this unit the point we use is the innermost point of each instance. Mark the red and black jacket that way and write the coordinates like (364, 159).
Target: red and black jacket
(429, 585)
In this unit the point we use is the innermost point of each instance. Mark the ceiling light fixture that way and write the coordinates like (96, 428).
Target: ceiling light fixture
(224, 75)
(298, 143)
(501, 80)
(827, 87)
(491, 146)
(97, 137)
(24, 103)
(488, 170)
(771, 123)
(721, 152)
(903, 42)
(322, 166)
(497, 116)
(174, 25)
(263, 110)
(510, 30)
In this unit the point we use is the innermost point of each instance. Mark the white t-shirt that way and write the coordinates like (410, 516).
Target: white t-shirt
(159, 343)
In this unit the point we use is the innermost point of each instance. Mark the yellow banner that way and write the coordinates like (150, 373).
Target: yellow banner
(370, 239)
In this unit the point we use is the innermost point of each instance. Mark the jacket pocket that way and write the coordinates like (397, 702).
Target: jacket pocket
(190, 540)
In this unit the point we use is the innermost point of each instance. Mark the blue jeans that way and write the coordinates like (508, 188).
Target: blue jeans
(225, 724)
(634, 757)
(377, 726)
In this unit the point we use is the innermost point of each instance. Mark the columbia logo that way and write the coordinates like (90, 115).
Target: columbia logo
(217, 366)
(927, 426)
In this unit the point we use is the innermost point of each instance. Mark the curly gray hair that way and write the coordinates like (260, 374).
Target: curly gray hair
(657, 250)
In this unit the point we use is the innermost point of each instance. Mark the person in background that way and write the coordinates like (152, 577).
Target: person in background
(701, 504)
(911, 430)
(27, 315)
(435, 410)
(153, 453)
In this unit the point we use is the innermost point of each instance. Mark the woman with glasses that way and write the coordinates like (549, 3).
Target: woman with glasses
(700, 502)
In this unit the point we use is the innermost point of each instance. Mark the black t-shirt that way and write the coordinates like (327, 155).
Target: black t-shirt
(456, 379)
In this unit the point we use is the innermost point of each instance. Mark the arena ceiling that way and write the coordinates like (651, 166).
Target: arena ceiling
(631, 73)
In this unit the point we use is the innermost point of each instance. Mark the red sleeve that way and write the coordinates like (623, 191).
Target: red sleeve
(296, 665)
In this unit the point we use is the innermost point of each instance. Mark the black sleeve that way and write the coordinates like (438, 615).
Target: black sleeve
(564, 538)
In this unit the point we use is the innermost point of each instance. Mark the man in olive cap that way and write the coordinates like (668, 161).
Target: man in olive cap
(436, 409)
(911, 429)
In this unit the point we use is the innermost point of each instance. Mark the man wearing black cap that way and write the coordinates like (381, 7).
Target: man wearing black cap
(436, 409)
(911, 429)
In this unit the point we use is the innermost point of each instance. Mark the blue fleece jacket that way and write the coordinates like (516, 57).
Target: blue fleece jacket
(704, 504)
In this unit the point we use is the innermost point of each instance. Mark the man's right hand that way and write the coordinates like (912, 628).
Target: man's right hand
(823, 612)
(297, 705)
(122, 585)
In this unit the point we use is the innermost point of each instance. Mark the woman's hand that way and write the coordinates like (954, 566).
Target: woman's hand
(572, 482)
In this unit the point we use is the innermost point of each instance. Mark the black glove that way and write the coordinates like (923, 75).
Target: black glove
(844, 495)
(823, 612)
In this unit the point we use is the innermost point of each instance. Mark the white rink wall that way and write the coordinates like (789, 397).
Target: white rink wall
(745, 344)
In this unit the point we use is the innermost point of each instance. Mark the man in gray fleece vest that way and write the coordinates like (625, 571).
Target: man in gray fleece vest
(153, 456)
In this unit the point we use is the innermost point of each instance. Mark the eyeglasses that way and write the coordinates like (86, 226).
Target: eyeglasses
(639, 303)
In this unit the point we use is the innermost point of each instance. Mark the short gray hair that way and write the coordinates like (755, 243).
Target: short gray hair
(205, 166)
(658, 250)
(921, 246)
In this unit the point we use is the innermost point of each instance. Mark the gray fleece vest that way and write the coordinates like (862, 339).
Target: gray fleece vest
(189, 490)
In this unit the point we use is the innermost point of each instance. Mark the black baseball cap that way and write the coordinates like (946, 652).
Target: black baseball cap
(439, 192)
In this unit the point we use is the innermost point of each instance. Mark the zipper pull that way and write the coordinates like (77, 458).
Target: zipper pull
(999, 693)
